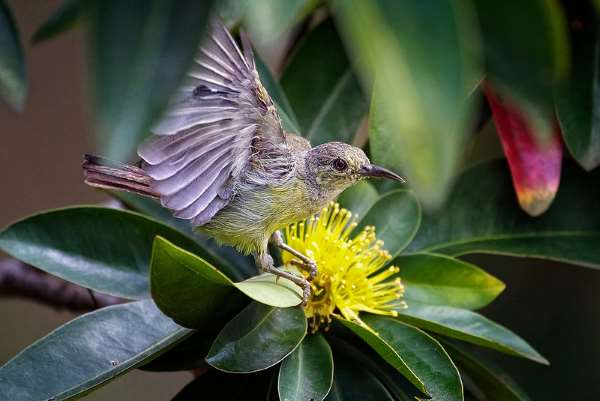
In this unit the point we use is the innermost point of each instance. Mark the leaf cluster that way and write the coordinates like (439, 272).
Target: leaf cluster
(414, 68)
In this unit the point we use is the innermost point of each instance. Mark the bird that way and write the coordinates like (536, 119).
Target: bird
(220, 158)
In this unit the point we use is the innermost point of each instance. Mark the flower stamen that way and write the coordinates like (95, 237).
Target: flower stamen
(351, 276)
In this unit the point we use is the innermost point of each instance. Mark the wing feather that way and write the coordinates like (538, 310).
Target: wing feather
(209, 211)
(181, 160)
(201, 199)
(178, 181)
(205, 141)
(205, 185)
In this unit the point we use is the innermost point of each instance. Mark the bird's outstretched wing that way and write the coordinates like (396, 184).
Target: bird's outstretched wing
(207, 138)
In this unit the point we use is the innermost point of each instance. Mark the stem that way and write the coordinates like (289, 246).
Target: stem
(20, 280)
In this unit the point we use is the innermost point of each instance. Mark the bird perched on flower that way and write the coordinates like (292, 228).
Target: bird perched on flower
(221, 159)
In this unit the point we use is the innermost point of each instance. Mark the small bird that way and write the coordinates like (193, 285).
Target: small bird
(221, 159)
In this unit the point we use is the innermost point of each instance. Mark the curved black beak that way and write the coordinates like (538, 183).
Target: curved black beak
(372, 170)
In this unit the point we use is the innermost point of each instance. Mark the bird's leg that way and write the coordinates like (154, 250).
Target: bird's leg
(264, 262)
(305, 262)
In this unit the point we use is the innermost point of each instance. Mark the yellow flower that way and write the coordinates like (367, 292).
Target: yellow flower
(351, 277)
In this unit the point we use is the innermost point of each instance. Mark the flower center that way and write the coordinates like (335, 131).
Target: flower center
(351, 276)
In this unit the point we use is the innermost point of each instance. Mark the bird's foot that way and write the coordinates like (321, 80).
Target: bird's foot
(307, 265)
(298, 280)
(265, 263)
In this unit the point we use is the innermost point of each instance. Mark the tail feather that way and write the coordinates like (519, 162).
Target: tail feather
(107, 174)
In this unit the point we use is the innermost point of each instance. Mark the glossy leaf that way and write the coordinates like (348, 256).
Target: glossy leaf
(225, 387)
(359, 198)
(194, 293)
(442, 280)
(286, 113)
(396, 217)
(89, 351)
(107, 250)
(365, 357)
(188, 289)
(388, 351)
(352, 382)
(578, 99)
(271, 290)
(307, 373)
(281, 15)
(468, 326)
(329, 104)
(527, 57)
(481, 217)
(259, 337)
(235, 265)
(68, 14)
(419, 111)
(187, 355)
(534, 160)
(489, 380)
(140, 52)
(13, 80)
(423, 354)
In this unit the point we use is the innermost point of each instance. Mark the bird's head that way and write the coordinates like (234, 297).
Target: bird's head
(335, 166)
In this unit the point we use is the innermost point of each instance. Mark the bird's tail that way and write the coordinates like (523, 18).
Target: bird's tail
(107, 174)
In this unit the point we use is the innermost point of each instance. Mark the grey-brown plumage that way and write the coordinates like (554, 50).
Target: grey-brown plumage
(220, 159)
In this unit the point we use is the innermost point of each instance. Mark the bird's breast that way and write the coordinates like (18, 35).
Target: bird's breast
(256, 212)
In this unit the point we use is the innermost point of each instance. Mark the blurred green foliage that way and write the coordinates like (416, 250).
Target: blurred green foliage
(411, 70)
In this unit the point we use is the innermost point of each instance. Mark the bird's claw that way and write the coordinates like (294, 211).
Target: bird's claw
(306, 292)
(306, 288)
(311, 267)
(265, 263)
(303, 283)
(307, 265)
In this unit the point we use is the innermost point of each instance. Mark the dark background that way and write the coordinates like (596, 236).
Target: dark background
(40, 157)
(553, 306)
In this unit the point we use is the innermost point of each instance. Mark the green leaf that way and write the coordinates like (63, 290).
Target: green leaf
(107, 250)
(352, 382)
(329, 104)
(489, 380)
(281, 15)
(419, 112)
(140, 52)
(193, 292)
(396, 217)
(229, 261)
(423, 354)
(188, 289)
(578, 100)
(188, 354)
(307, 373)
(288, 118)
(442, 280)
(362, 355)
(271, 290)
(388, 351)
(482, 216)
(89, 351)
(64, 18)
(259, 337)
(13, 79)
(527, 57)
(225, 387)
(468, 326)
(359, 198)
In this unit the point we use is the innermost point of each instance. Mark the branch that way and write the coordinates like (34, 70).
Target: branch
(20, 280)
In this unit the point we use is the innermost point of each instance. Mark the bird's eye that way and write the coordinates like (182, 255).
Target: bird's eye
(340, 164)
